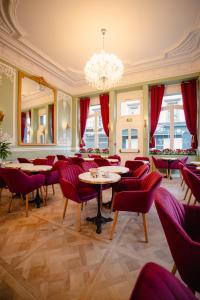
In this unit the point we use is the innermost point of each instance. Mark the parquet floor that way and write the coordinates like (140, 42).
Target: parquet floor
(43, 257)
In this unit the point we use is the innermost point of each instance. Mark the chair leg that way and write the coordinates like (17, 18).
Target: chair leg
(112, 201)
(189, 199)
(174, 269)
(78, 217)
(26, 205)
(65, 207)
(82, 206)
(186, 192)
(114, 224)
(43, 198)
(145, 227)
(46, 193)
(53, 189)
(10, 204)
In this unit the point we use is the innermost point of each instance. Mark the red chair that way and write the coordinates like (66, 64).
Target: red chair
(19, 182)
(193, 182)
(2, 184)
(77, 160)
(51, 159)
(78, 154)
(61, 157)
(181, 225)
(139, 199)
(156, 283)
(102, 162)
(87, 165)
(40, 161)
(24, 160)
(145, 158)
(75, 190)
(161, 164)
(115, 156)
(125, 182)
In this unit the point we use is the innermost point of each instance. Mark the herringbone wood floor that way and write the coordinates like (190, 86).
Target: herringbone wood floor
(43, 257)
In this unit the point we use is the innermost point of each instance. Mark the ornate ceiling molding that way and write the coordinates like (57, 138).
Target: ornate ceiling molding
(8, 71)
(13, 40)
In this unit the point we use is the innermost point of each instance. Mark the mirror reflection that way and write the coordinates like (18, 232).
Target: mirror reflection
(37, 111)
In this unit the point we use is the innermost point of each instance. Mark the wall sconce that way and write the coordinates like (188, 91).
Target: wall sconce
(1, 116)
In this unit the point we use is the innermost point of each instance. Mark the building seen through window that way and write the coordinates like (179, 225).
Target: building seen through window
(171, 131)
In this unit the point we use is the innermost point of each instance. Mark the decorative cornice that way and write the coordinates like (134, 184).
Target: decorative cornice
(13, 37)
(8, 71)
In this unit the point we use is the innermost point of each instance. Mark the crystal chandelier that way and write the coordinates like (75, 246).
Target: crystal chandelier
(103, 70)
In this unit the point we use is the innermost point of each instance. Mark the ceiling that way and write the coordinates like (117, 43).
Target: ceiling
(140, 32)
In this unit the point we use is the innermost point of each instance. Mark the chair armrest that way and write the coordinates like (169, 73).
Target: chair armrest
(69, 190)
(128, 184)
(136, 201)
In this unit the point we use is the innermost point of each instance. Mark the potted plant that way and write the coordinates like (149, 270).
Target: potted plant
(4, 147)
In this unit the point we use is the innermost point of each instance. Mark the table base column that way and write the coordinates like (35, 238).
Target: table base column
(98, 220)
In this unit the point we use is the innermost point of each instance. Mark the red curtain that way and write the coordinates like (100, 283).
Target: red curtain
(104, 103)
(52, 113)
(23, 125)
(189, 93)
(84, 109)
(156, 93)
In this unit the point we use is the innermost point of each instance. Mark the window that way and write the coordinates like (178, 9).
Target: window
(95, 136)
(171, 131)
(130, 107)
(129, 139)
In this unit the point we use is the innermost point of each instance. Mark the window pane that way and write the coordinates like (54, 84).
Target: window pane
(125, 139)
(162, 134)
(130, 107)
(134, 139)
(89, 133)
(182, 137)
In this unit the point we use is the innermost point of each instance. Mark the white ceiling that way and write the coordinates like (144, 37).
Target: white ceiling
(62, 35)
(69, 31)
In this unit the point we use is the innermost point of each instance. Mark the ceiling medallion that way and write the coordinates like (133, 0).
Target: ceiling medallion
(104, 70)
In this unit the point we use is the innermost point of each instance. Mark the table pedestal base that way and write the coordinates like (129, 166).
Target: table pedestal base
(98, 221)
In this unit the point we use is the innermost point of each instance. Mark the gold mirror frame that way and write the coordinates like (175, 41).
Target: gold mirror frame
(39, 80)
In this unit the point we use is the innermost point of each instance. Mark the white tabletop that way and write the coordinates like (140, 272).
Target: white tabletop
(197, 163)
(114, 169)
(111, 178)
(28, 167)
(168, 158)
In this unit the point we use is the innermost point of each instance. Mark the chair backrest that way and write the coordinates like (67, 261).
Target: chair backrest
(142, 158)
(2, 181)
(175, 164)
(50, 159)
(115, 156)
(101, 162)
(40, 161)
(86, 165)
(193, 182)
(71, 174)
(156, 283)
(59, 165)
(78, 154)
(151, 181)
(15, 179)
(133, 164)
(94, 155)
(141, 171)
(61, 157)
(185, 252)
(160, 163)
(23, 160)
(77, 160)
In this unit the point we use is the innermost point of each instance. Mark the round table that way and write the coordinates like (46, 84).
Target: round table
(99, 181)
(169, 160)
(196, 163)
(28, 167)
(114, 169)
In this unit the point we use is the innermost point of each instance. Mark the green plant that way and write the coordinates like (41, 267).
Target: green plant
(4, 147)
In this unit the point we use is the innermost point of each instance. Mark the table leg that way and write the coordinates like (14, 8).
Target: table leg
(99, 219)
(37, 199)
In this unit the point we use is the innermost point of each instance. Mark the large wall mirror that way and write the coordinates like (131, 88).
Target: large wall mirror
(36, 111)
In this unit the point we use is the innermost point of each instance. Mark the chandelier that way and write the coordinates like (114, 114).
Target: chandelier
(103, 70)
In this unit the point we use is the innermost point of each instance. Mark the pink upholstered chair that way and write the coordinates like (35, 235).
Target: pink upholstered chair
(2, 184)
(94, 155)
(156, 283)
(132, 165)
(24, 160)
(160, 164)
(139, 199)
(51, 159)
(193, 182)
(75, 190)
(19, 182)
(142, 158)
(101, 162)
(40, 161)
(87, 165)
(77, 160)
(61, 157)
(115, 156)
(181, 225)
(78, 154)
